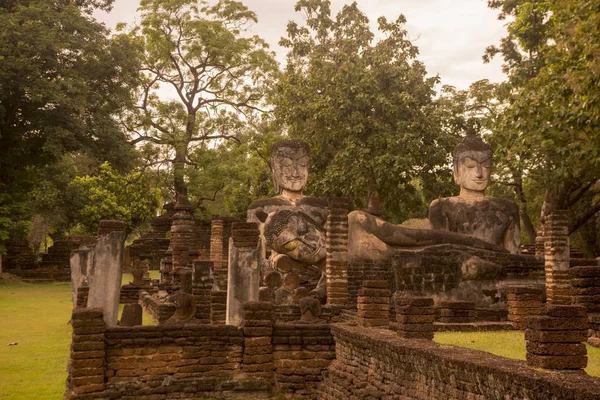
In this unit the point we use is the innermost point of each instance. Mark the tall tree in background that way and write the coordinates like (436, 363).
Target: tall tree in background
(553, 112)
(364, 105)
(62, 78)
(219, 75)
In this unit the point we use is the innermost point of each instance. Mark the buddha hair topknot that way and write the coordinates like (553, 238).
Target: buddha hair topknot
(471, 142)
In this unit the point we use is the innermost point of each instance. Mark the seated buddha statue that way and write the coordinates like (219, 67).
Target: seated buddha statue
(491, 219)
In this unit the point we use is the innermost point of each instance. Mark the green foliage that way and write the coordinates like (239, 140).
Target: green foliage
(109, 195)
(61, 81)
(219, 74)
(364, 105)
(234, 175)
(549, 127)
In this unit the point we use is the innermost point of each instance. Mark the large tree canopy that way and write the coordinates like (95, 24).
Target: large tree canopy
(219, 75)
(61, 81)
(365, 106)
(549, 129)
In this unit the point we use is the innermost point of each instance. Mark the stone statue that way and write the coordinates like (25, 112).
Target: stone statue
(491, 219)
(310, 310)
(184, 300)
(289, 167)
(291, 224)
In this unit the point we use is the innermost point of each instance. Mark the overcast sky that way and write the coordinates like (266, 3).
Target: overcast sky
(451, 34)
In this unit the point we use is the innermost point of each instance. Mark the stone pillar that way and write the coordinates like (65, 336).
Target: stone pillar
(336, 244)
(201, 288)
(81, 262)
(585, 287)
(414, 317)
(523, 301)
(105, 277)
(86, 363)
(373, 304)
(258, 347)
(216, 252)
(457, 312)
(554, 339)
(556, 257)
(243, 279)
(182, 235)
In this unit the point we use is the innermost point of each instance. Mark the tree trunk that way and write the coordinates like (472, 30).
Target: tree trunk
(179, 170)
(527, 224)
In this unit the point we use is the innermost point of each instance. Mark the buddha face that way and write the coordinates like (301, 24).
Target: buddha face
(472, 171)
(290, 169)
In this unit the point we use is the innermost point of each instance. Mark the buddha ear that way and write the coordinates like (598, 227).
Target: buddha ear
(261, 215)
(455, 170)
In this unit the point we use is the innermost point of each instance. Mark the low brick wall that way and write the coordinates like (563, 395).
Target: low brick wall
(156, 360)
(301, 352)
(376, 364)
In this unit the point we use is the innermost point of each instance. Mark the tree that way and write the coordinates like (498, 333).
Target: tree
(219, 76)
(553, 111)
(365, 106)
(61, 81)
(109, 195)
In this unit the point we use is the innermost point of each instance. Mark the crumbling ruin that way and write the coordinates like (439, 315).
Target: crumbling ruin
(365, 334)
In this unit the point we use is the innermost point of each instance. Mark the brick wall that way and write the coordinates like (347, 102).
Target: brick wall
(301, 352)
(158, 360)
(376, 363)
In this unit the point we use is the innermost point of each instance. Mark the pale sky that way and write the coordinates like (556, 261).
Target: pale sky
(451, 34)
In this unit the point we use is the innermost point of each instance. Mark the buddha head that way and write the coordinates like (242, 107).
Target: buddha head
(289, 165)
(472, 164)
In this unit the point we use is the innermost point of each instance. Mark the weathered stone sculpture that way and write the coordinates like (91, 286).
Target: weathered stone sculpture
(491, 219)
(184, 300)
(291, 224)
(310, 310)
(375, 239)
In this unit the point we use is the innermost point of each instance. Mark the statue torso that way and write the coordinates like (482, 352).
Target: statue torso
(487, 218)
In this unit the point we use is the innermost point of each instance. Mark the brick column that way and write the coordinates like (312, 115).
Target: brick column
(337, 251)
(554, 339)
(258, 346)
(216, 253)
(107, 226)
(82, 296)
(457, 312)
(523, 301)
(182, 235)
(585, 287)
(86, 363)
(373, 304)
(539, 242)
(202, 285)
(556, 257)
(414, 317)
(218, 306)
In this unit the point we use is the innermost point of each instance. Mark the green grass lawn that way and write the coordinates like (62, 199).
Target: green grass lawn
(510, 344)
(37, 318)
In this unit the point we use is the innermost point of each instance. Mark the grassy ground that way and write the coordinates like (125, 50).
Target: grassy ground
(510, 344)
(36, 317)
